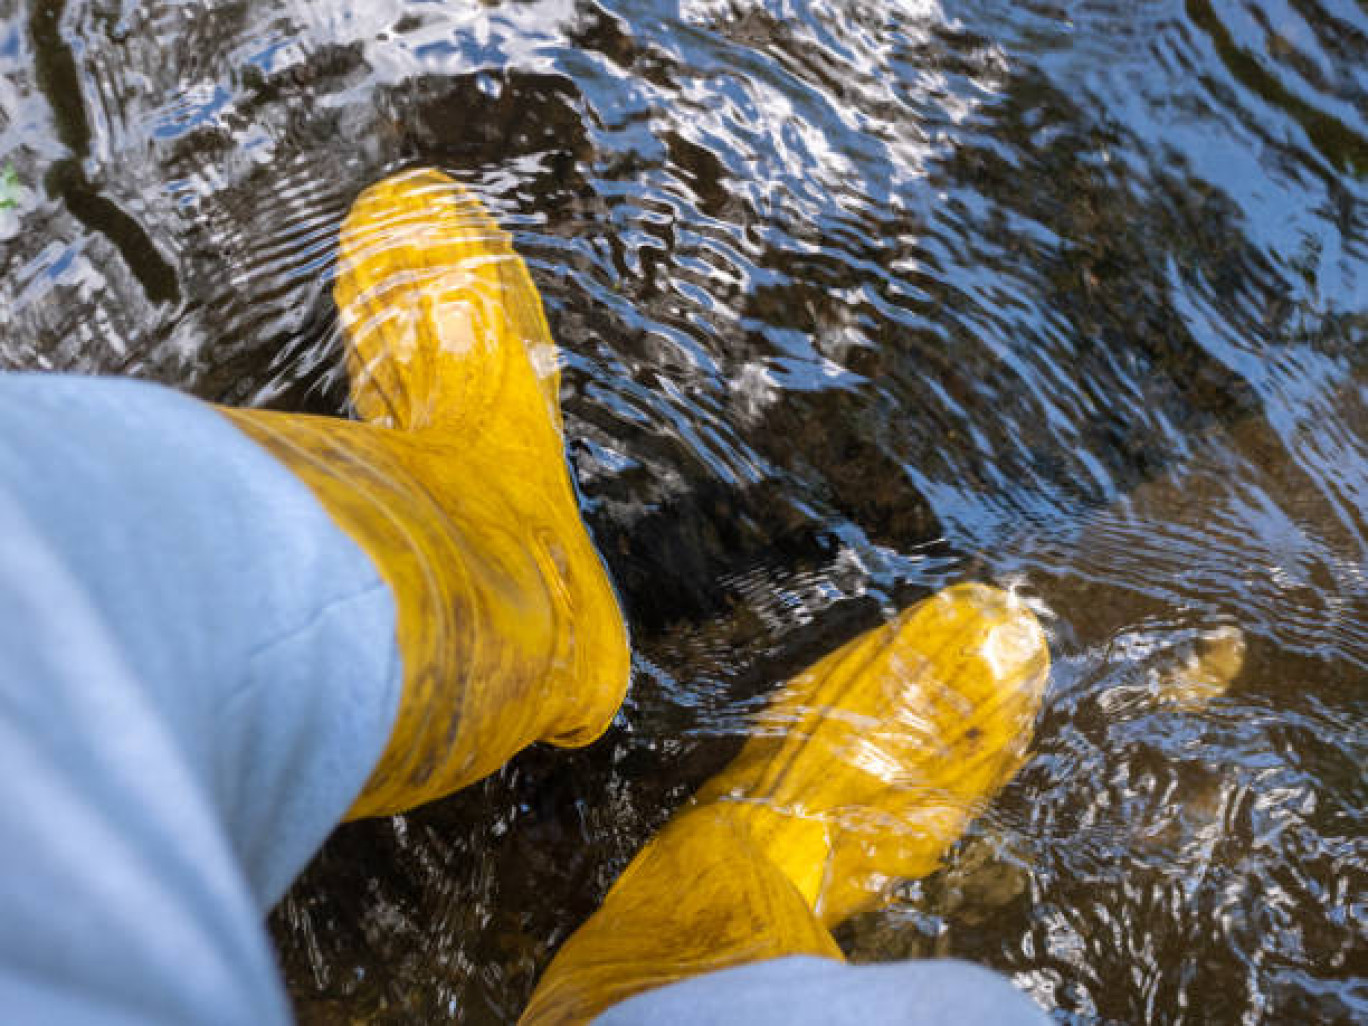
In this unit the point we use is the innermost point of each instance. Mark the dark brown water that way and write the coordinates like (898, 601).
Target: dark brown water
(856, 300)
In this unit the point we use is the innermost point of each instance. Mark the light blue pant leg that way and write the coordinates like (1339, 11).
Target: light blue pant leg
(198, 670)
(820, 992)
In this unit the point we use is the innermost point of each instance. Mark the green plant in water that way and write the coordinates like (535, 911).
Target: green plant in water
(10, 188)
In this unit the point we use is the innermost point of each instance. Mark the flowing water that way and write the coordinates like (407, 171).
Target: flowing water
(856, 299)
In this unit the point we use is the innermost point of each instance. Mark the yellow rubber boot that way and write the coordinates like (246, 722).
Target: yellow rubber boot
(862, 771)
(454, 482)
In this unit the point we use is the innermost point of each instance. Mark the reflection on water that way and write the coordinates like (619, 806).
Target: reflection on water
(857, 300)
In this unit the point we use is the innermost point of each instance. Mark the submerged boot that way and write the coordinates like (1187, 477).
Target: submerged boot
(454, 482)
(862, 771)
